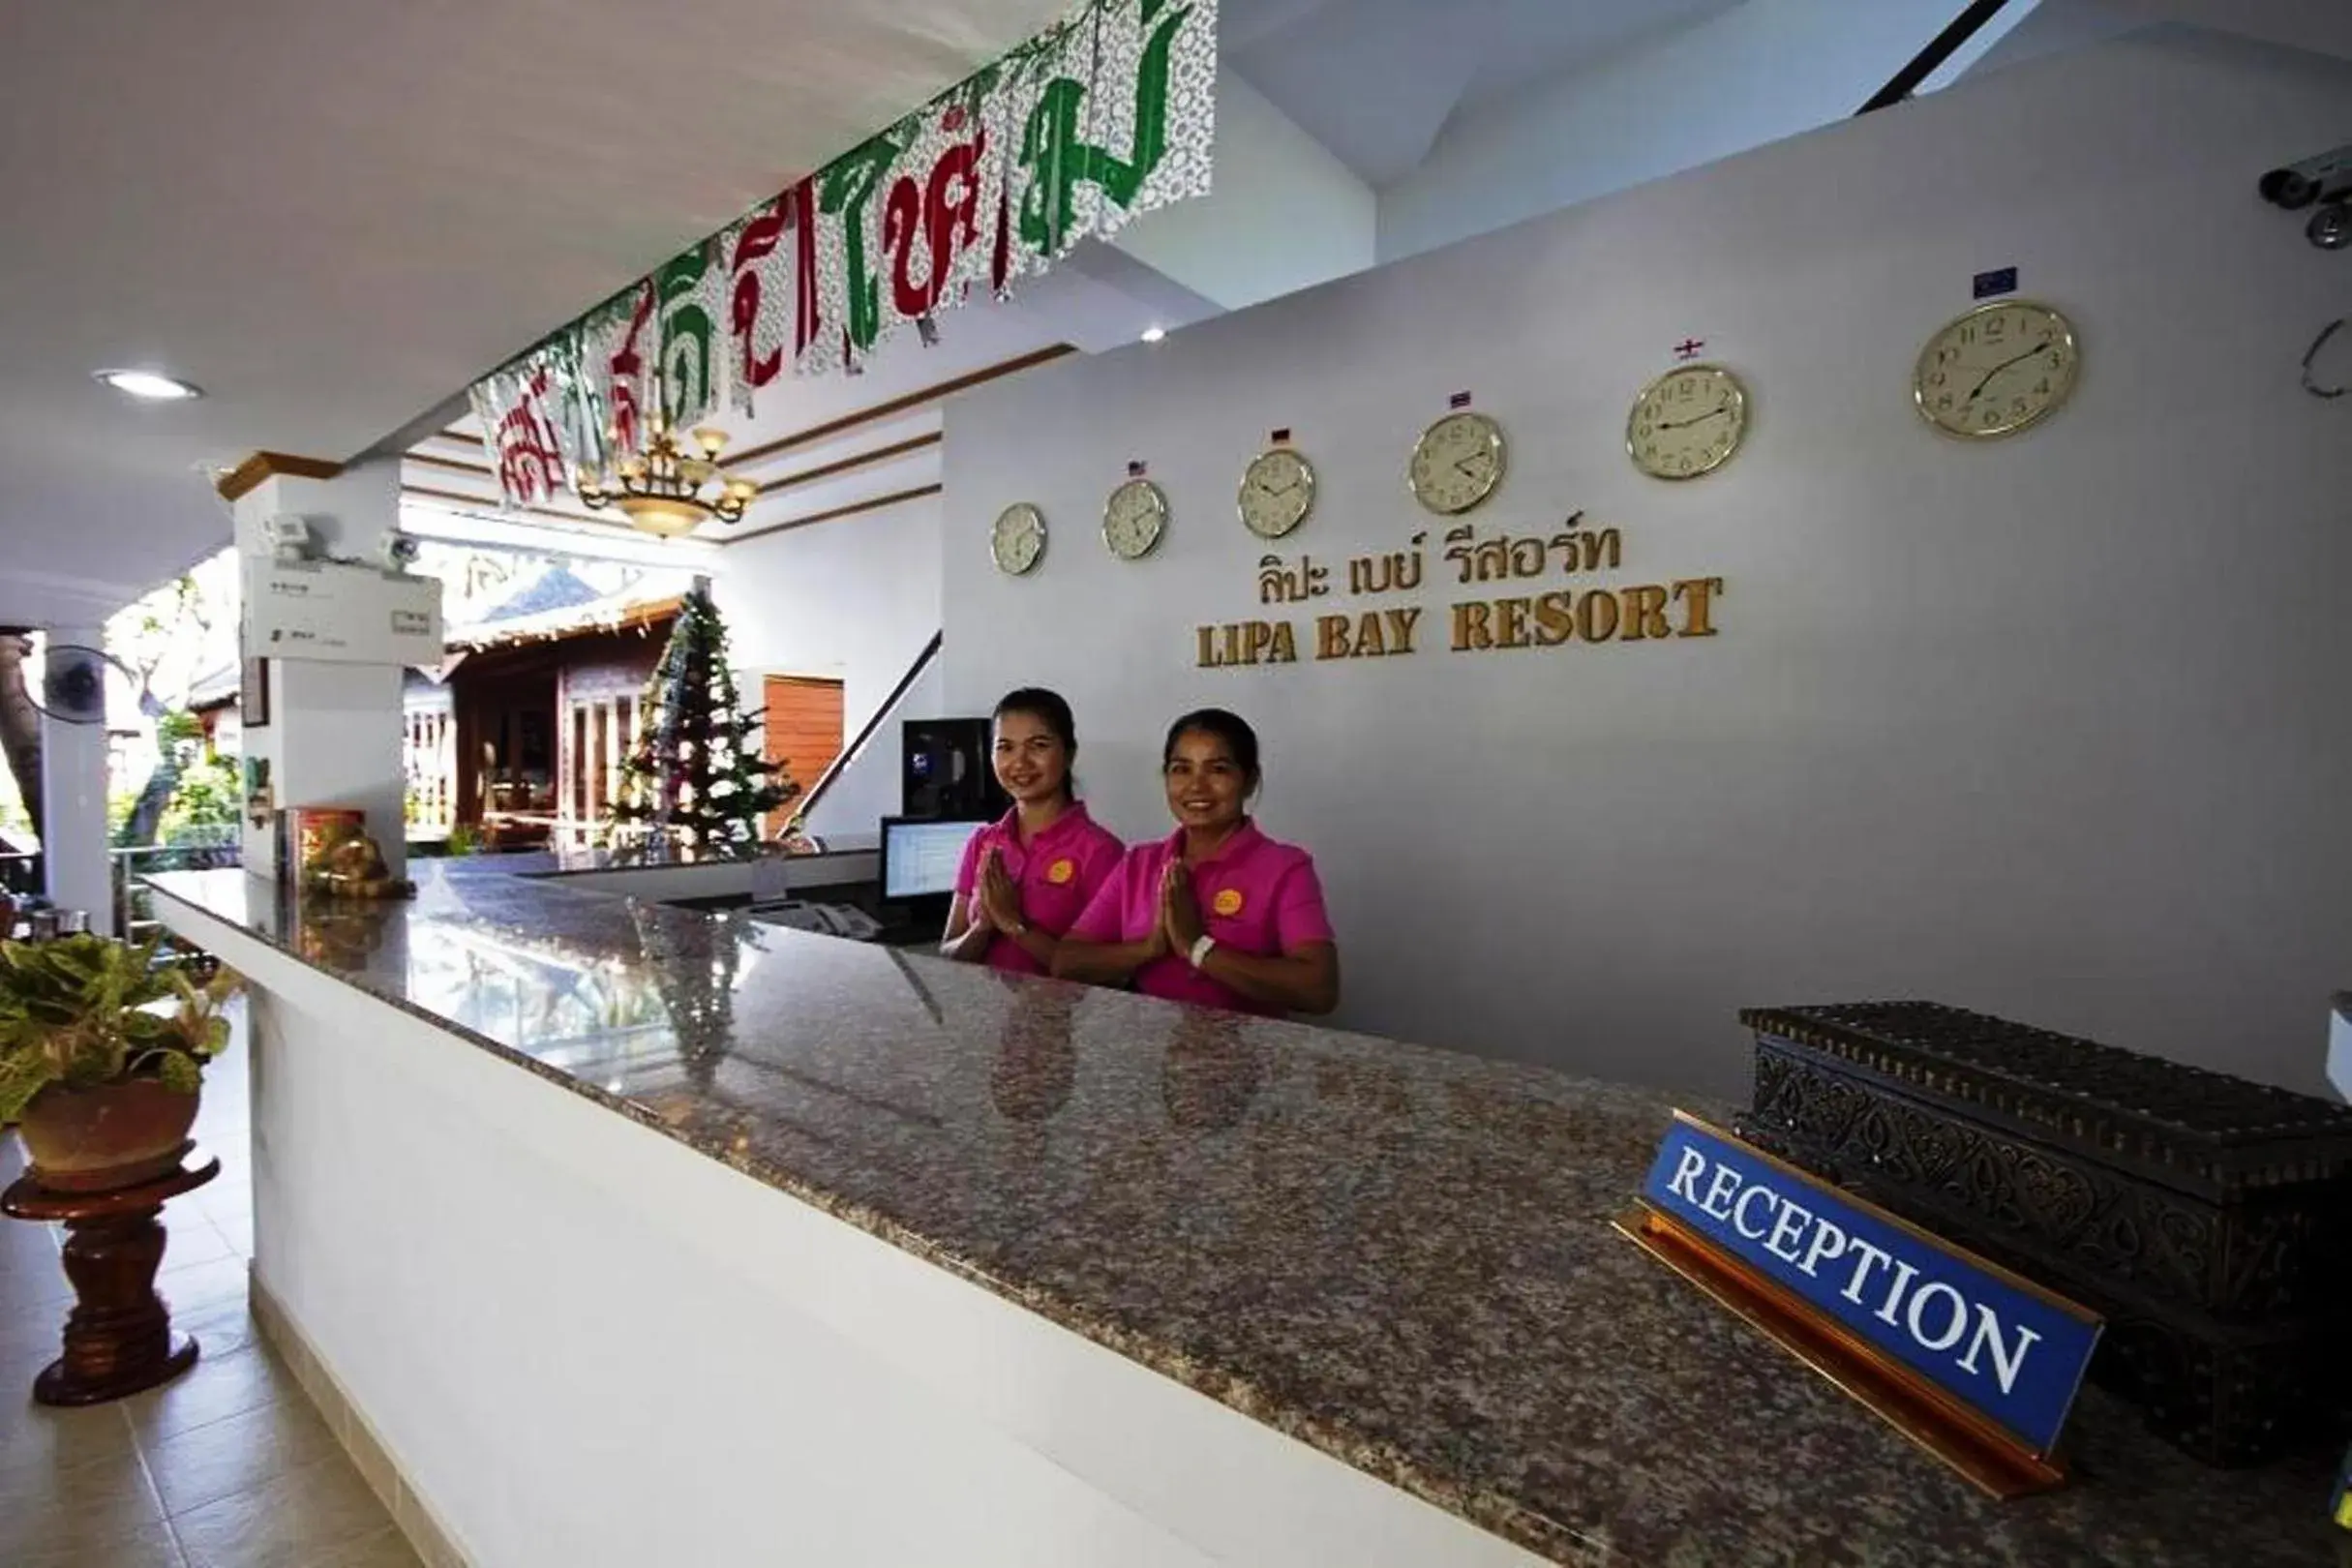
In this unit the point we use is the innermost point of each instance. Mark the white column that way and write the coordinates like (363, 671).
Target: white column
(74, 804)
(334, 730)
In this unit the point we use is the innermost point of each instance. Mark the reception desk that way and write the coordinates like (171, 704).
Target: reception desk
(633, 1234)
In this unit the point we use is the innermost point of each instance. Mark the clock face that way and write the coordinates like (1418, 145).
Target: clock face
(1133, 517)
(1457, 462)
(1996, 370)
(1018, 539)
(1687, 422)
(1276, 493)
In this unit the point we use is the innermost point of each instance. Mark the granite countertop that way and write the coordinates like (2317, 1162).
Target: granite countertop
(1398, 1255)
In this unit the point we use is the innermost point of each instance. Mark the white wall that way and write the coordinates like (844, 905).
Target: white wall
(1284, 214)
(855, 600)
(1763, 69)
(2052, 727)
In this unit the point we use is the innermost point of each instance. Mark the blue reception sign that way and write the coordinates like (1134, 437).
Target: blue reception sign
(2000, 1344)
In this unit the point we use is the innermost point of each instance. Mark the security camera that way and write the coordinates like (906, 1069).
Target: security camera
(2317, 178)
(397, 551)
(2288, 188)
(289, 536)
(2325, 177)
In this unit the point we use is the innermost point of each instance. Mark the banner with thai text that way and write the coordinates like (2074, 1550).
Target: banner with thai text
(1107, 115)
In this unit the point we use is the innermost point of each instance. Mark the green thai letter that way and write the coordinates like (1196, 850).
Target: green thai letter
(1057, 161)
(848, 184)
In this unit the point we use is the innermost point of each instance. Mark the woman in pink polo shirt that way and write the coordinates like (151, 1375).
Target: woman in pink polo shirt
(1024, 879)
(1217, 913)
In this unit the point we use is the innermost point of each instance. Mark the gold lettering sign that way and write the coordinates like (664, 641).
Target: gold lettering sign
(1585, 611)
(1372, 635)
(1249, 641)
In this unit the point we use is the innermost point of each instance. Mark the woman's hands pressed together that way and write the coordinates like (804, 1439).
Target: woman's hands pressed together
(1180, 925)
(1000, 899)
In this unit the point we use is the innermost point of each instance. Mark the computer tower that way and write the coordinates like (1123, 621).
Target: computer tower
(946, 769)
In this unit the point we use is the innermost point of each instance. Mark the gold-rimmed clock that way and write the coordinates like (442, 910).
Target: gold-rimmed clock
(1996, 369)
(1688, 422)
(1018, 541)
(1133, 517)
(1276, 491)
(1458, 463)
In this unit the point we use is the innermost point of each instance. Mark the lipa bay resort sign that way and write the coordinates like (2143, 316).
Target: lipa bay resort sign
(1976, 1363)
(1543, 591)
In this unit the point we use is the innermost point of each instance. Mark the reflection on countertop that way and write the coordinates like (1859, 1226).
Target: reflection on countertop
(1398, 1255)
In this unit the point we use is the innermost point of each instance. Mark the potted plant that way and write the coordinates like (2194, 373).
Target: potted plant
(102, 1081)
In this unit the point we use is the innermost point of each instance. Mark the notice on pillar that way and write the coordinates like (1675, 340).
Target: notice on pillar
(338, 613)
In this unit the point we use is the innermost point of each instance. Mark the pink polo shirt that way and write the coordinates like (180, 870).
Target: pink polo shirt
(1257, 896)
(1057, 873)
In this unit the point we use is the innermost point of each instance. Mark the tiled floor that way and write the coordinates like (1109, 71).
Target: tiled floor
(229, 1467)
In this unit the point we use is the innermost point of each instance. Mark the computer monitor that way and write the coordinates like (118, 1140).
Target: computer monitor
(919, 861)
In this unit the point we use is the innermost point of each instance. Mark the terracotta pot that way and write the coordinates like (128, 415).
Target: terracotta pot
(116, 1134)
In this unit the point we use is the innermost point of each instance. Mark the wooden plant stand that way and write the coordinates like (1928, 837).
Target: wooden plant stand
(118, 1338)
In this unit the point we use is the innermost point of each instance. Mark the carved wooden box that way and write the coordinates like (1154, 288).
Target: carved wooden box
(2205, 1216)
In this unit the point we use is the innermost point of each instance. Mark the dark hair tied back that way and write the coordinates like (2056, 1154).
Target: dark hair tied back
(1230, 728)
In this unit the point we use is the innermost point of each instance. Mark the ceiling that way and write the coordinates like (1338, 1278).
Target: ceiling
(334, 216)
(1378, 80)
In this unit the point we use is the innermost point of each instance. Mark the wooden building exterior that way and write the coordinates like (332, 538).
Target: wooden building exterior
(522, 733)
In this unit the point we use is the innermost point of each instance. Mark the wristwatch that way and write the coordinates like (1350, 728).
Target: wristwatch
(1202, 946)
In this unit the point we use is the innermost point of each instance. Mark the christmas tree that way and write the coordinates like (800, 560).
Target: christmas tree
(695, 777)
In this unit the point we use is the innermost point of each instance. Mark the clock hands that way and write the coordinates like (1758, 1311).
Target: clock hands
(1722, 408)
(2005, 365)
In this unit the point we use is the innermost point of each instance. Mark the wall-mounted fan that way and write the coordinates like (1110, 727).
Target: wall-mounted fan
(74, 683)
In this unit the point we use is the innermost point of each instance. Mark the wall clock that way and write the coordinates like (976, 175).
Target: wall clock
(1276, 493)
(1687, 422)
(1018, 539)
(1457, 462)
(1996, 370)
(1133, 519)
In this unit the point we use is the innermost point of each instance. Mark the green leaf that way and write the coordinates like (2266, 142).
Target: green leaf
(179, 1074)
(22, 1077)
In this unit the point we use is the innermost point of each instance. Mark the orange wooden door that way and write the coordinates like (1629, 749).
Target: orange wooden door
(803, 731)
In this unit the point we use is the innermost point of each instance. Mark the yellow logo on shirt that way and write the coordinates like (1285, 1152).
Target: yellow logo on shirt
(1228, 903)
(1061, 871)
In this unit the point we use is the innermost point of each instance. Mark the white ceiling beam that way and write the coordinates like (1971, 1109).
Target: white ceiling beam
(2321, 26)
(1285, 213)
(1755, 74)
(459, 525)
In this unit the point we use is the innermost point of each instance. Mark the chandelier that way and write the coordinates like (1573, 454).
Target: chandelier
(667, 492)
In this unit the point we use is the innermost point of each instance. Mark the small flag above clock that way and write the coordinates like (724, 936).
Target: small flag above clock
(1134, 469)
(1459, 400)
(1281, 435)
(2003, 281)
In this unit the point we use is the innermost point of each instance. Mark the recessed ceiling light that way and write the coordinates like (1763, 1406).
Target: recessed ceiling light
(150, 385)
(1154, 334)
